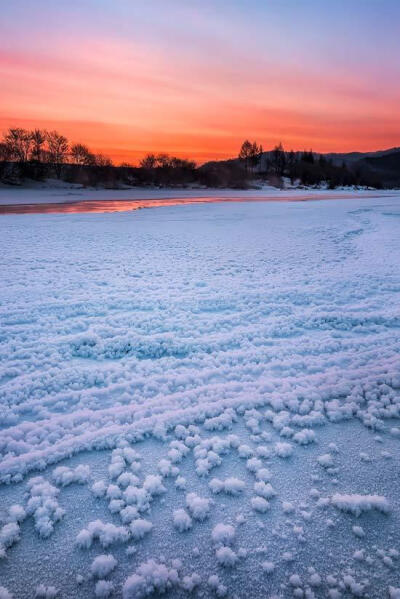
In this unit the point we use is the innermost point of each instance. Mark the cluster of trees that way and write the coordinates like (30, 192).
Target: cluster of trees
(250, 154)
(41, 154)
(306, 168)
(163, 169)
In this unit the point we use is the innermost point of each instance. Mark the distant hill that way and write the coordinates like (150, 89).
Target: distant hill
(381, 165)
(386, 165)
(337, 158)
(351, 157)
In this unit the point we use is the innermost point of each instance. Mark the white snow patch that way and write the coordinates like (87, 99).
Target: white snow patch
(199, 507)
(223, 534)
(226, 557)
(66, 476)
(150, 577)
(182, 520)
(103, 565)
(357, 504)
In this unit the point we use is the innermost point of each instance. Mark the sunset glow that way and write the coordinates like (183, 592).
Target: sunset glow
(194, 79)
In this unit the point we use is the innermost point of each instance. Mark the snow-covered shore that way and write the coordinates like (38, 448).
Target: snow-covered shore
(201, 400)
(52, 194)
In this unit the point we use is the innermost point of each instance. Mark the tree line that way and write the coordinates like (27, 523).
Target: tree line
(305, 168)
(40, 154)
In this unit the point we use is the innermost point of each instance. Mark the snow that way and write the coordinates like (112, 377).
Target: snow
(199, 507)
(357, 504)
(326, 460)
(231, 486)
(103, 588)
(223, 534)
(139, 528)
(106, 532)
(189, 583)
(265, 490)
(9, 534)
(259, 504)
(66, 476)
(268, 567)
(45, 592)
(16, 513)
(283, 450)
(226, 557)
(57, 192)
(99, 488)
(149, 578)
(209, 392)
(358, 531)
(43, 505)
(103, 565)
(182, 520)
(153, 485)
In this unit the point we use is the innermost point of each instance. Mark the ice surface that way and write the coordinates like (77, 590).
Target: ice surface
(201, 400)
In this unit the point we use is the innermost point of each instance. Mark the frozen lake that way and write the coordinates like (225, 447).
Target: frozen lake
(220, 385)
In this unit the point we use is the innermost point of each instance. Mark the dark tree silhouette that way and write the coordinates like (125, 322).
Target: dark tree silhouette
(250, 154)
(148, 161)
(81, 155)
(19, 143)
(57, 151)
(38, 138)
(278, 160)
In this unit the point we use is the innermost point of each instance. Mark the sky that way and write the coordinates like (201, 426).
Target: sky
(196, 77)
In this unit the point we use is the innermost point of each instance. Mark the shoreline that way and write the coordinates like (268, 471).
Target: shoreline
(102, 206)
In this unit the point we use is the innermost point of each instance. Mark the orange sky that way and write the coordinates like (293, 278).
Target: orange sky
(198, 84)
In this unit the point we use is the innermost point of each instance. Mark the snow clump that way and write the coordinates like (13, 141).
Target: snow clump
(103, 565)
(150, 577)
(182, 520)
(199, 507)
(64, 476)
(357, 504)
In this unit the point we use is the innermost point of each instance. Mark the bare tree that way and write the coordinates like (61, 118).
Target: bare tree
(5, 154)
(101, 160)
(38, 138)
(58, 150)
(19, 143)
(163, 160)
(148, 161)
(81, 155)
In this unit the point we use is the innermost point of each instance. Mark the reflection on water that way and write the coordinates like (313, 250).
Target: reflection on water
(125, 205)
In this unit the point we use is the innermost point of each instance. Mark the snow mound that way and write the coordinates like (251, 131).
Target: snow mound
(66, 476)
(150, 577)
(226, 557)
(231, 486)
(358, 504)
(223, 534)
(182, 520)
(103, 589)
(106, 533)
(140, 528)
(199, 507)
(103, 565)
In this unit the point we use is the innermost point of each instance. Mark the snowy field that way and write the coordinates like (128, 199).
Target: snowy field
(201, 400)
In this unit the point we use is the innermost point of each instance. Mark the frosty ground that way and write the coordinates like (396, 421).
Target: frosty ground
(202, 400)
